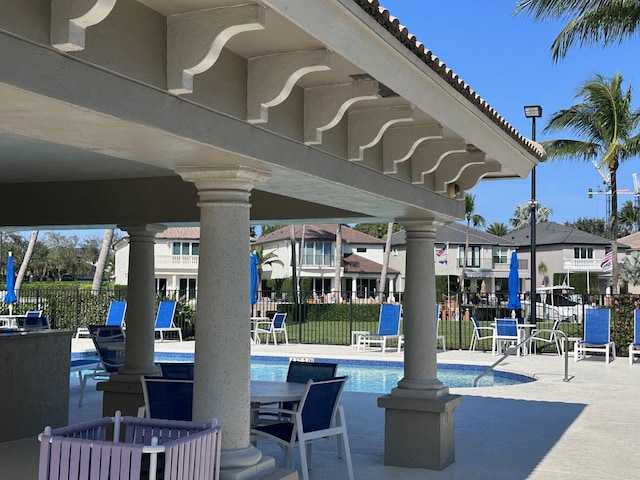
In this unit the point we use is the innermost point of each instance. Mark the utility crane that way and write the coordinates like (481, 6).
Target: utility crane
(606, 180)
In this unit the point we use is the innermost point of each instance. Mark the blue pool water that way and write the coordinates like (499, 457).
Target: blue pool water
(368, 376)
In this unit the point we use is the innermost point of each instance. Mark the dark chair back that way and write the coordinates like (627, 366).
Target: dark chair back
(302, 372)
(177, 370)
(320, 403)
(109, 342)
(167, 398)
(33, 323)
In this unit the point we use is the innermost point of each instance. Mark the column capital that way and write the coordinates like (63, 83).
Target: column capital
(229, 184)
(142, 229)
(419, 226)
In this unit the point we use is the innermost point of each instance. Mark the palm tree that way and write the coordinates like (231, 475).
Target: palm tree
(629, 218)
(606, 22)
(606, 126)
(522, 215)
(26, 259)
(102, 261)
(498, 229)
(269, 259)
(474, 219)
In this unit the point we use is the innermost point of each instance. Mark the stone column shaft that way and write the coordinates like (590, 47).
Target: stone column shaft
(141, 297)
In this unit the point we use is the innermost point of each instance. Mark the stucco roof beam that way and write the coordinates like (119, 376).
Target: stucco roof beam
(325, 105)
(196, 39)
(271, 79)
(453, 166)
(474, 173)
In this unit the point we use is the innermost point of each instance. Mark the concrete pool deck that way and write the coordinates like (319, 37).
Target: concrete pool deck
(582, 429)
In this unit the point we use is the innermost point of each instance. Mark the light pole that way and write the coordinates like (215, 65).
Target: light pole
(533, 112)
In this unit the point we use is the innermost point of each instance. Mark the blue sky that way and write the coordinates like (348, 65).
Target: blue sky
(507, 61)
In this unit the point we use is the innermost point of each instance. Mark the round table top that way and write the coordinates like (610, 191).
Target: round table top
(264, 391)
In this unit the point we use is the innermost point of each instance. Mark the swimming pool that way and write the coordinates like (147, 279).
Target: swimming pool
(368, 376)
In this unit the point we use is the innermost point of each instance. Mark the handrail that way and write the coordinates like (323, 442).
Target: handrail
(565, 341)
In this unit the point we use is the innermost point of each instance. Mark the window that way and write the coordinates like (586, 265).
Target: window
(500, 255)
(186, 248)
(582, 252)
(318, 253)
(473, 256)
(361, 249)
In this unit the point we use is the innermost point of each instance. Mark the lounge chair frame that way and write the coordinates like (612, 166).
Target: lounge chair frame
(388, 328)
(597, 335)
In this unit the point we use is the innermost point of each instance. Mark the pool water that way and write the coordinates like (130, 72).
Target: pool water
(369, 376)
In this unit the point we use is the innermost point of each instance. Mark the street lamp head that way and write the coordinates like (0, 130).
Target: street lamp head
(532, 111)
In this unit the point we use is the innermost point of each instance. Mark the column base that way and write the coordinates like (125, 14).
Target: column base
(419, 432)
(121, 392)
(265, 468)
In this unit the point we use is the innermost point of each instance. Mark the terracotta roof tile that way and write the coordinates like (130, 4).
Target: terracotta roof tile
(356, 264)
(393, 26)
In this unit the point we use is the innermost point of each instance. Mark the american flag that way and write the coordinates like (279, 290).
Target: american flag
(606, 261)
(442, 254)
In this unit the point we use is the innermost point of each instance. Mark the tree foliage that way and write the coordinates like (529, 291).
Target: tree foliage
(595, 226)
(378, 230)
(588, 22)
(498, 229)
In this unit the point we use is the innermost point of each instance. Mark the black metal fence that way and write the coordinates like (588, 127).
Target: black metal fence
(310, 320)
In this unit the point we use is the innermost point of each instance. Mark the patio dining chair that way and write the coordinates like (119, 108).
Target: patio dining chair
(274, 327)
(318, 416)
(479, 333)
(506, 331)
(546, 337)
(169, 399)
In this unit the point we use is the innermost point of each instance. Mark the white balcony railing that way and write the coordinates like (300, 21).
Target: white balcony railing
(582, 264)
(176, 260)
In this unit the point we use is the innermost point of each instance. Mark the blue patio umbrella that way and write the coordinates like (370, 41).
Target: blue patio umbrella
(514, 284)
(254, 278)
(10, 297)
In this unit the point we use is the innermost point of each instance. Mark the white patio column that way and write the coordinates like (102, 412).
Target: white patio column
(222, 346)
(123, 391)
(141, 300)
(419, 415)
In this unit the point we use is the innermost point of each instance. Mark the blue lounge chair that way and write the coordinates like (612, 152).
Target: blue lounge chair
(319, 415)
(115, 317)
(164, 319)
(597, 334)
(110, 345)
(634, 347)
(388, 328)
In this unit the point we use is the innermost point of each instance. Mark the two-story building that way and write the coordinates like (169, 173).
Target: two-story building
(176, 255)
(362, 259)
(487, 259)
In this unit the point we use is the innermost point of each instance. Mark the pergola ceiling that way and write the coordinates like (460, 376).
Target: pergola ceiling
(102, 99)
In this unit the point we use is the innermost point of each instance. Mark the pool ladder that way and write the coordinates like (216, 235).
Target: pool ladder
(565, 345)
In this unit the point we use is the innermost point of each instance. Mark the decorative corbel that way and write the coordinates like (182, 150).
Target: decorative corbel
(399, 143)
(324, 106)
(70, 19)
(271, 78)
(195, 40)
(429, 154)
(366, 126)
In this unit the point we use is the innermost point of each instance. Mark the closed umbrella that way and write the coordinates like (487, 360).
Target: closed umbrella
(254, 278)
(10, 296)
(514, 285)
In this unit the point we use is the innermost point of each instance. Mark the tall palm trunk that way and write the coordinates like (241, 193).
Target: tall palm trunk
(102, 261)
(337, 263)
(25, 260)
(385, 264)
